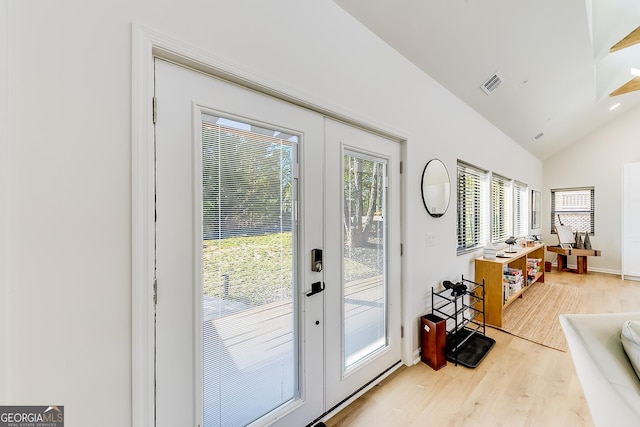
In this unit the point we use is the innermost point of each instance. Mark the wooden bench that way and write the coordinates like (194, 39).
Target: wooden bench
(581, 255)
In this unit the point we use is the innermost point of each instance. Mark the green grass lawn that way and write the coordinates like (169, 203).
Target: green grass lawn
(259, 267)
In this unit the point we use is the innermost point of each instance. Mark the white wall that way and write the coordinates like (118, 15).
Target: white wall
(449, 130)
(596, 161)
(68, 332)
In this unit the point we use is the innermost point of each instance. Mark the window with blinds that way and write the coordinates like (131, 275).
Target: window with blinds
(490, 207)
(472, 216)
(501, 208)
(574, 207)
(520, 209)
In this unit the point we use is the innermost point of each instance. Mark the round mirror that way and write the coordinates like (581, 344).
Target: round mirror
(436, 188)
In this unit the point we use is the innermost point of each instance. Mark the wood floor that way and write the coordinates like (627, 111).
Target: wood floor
(519, 383)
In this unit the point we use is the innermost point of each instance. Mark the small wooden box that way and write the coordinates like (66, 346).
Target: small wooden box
(434, 341)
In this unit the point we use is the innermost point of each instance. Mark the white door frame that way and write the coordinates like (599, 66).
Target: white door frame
(147, 44)
(5, 202)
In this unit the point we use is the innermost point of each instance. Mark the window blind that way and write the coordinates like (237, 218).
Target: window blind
(520, 209)
(501, 208)
(574, 207)
(471, 221)
(249, 325)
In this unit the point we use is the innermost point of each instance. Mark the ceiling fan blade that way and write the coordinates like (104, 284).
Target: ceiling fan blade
(632, 38)
(630, 86)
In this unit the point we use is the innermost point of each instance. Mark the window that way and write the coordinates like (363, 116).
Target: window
(490, 208)
(520, 209)
(574, 207)
(501, 208)
(473, 202)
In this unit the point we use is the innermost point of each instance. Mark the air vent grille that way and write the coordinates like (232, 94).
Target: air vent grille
(538, 136)
(492, 83)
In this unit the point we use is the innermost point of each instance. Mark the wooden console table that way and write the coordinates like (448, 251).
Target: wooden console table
(491, 271)
(581, 255)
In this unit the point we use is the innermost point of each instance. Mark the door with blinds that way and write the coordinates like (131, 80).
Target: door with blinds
(238, 341)
(277, 256)
(363, 267)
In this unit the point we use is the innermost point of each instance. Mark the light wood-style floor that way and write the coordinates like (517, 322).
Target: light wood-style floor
(519, 383)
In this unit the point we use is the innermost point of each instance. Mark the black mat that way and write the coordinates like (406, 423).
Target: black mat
(471, 353)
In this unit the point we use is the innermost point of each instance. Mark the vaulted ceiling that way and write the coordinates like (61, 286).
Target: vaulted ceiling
(558, 67)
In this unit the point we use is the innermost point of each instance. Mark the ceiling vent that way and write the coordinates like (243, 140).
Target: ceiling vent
(492, 83)
(538, 137)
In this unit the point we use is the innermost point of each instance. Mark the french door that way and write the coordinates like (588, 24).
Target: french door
(242, 310)
(363, 223)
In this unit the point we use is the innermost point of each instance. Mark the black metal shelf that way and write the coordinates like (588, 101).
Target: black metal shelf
(467, 317)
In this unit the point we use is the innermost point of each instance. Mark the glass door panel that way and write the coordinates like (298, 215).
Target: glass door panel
(250, 361)
(364, 259)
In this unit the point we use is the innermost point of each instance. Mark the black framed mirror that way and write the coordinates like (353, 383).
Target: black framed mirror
(436, 188)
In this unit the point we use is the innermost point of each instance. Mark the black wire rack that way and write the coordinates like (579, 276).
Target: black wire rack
(467, 315)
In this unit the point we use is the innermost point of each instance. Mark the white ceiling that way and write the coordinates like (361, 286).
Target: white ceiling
(553, 57)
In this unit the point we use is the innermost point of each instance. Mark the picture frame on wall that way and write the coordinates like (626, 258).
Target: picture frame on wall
(535, 209)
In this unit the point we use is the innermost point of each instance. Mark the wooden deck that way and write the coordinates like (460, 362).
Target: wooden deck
(249, 358)
(363, 295)
(254, 335)
(258, 334)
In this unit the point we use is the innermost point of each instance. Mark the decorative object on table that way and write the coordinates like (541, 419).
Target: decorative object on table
(587, 241)
(566, 238)
(578, 240)
(489, 251)
(511, 241)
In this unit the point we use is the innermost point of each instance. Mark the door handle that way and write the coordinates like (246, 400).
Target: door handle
(316, 288)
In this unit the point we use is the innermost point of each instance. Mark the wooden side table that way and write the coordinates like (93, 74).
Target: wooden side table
(581, 256)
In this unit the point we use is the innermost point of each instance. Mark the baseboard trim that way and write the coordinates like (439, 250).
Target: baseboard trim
(417, 356)
(339, 407)
(593, 269)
